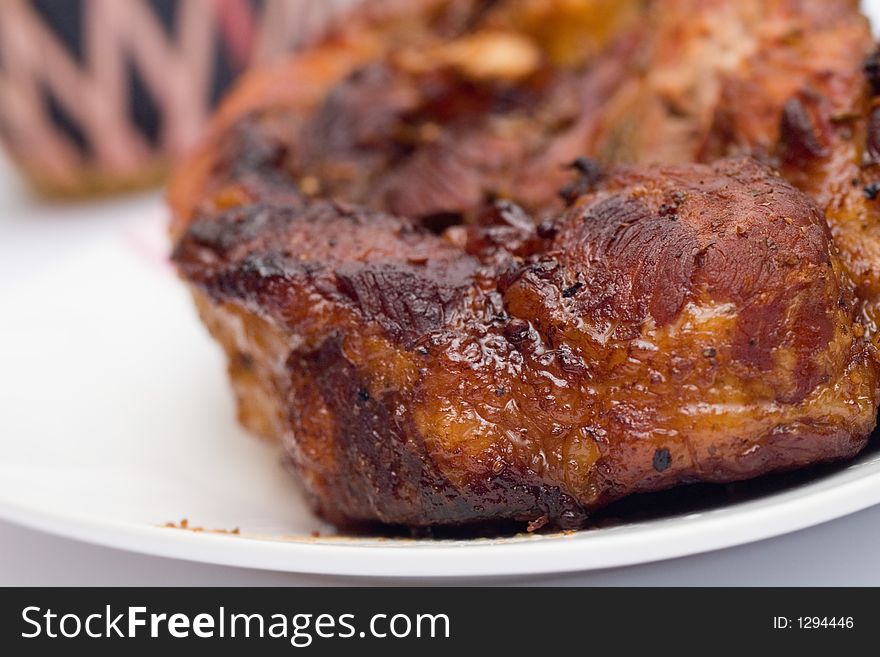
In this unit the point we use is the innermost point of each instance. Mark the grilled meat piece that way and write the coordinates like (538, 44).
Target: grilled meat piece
(423, 108)
(781, 81)
(678, 324)
(450, 317)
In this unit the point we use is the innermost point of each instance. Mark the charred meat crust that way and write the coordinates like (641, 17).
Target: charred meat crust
(696, 310)
(384, 472)
(448, 316)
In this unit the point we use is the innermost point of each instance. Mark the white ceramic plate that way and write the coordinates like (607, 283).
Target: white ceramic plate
(116, 418)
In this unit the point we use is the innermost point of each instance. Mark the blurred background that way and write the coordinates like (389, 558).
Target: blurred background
(98, 96)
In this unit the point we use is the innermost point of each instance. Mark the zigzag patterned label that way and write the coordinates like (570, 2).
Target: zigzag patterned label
(117, 83)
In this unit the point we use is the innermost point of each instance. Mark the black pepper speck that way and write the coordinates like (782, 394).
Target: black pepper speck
(662, 459)
(872, 190)
(569, 292)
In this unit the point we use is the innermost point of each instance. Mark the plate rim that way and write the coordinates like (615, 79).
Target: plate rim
(669, 538)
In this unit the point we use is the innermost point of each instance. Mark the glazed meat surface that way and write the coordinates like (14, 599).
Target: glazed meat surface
(448, 316)
(427, 107)
(678, 324)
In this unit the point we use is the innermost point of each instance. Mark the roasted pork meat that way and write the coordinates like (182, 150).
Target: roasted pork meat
(449, 316)
(678, 324)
